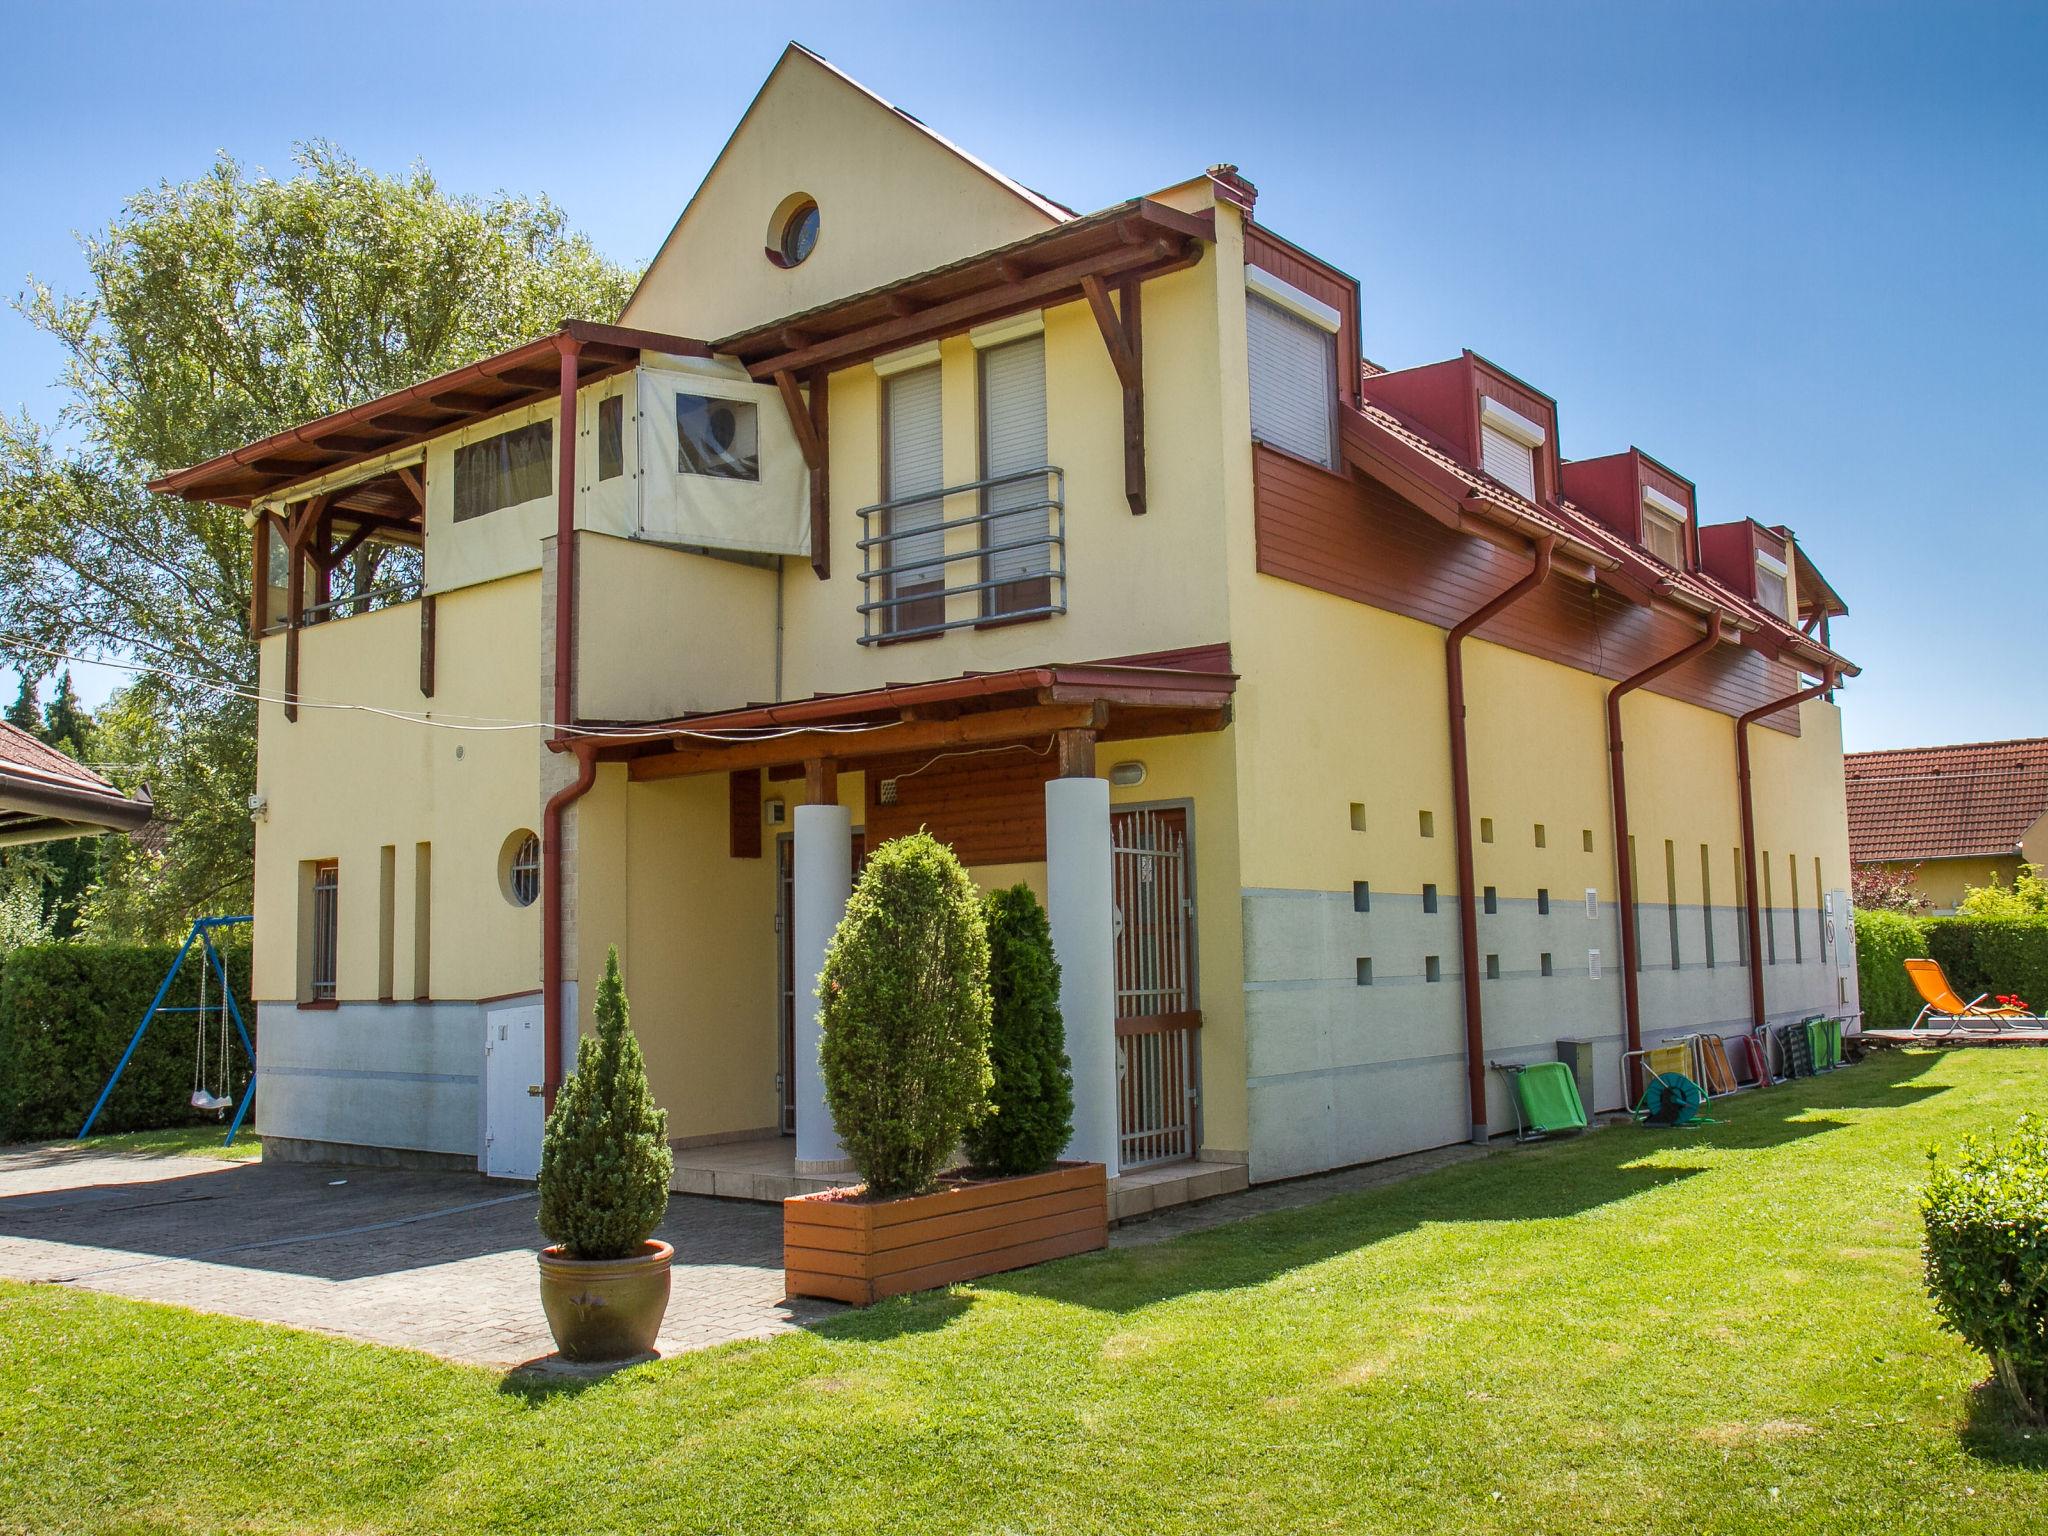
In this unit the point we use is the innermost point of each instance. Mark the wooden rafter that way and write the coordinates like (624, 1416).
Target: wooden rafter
(808, 421)
(1030, 722)
(1122, 334)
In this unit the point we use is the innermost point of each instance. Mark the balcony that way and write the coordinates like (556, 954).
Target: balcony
(1013, 548)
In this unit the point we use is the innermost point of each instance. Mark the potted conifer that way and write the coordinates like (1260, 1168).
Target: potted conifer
(605, 1166)
(905, 995)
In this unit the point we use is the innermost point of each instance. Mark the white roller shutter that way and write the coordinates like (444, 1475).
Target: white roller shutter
(1013, 439)
(1293, 380)
(915, 466)
(1508, 461)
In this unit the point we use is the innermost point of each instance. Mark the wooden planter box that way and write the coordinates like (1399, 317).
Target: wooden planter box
(849, 1249)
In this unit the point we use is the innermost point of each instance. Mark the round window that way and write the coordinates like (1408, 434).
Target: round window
(794, 233)
(519, 869)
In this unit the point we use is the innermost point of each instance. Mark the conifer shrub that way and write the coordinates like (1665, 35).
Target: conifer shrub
(1985, 1211)
(605, 1161)
(904, 1001)
(1031, 1095)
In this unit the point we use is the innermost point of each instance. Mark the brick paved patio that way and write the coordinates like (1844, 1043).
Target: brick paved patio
(441, 1262)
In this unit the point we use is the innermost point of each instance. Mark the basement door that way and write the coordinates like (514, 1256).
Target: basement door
(785, 951)
(1158, 1020)
(513, 1110)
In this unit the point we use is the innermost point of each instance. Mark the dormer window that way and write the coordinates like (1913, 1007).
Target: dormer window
(1664, 527)
(1292, 341)
(1508, 444)
(1773, 586)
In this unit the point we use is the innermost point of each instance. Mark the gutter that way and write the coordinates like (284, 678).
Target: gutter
(1461, 815)
(561, 715)
(1753, 907)
(1624, 868)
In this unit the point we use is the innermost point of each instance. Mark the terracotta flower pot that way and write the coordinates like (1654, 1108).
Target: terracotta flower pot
(605, 1309)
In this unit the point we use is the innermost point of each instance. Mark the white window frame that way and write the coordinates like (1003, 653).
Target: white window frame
(1296, 304)
(1657, 504)
(1518, 429)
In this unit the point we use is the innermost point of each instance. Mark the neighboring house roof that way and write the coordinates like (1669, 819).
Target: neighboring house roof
(1976, 799)
(45, 796)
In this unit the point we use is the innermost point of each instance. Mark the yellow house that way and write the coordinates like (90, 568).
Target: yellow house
(902, 496)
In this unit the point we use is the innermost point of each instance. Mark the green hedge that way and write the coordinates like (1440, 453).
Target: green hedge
(1883, 941)
(1978, 955)
(66, 1014)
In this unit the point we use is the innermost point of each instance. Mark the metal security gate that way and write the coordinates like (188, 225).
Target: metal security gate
(1157, 1062)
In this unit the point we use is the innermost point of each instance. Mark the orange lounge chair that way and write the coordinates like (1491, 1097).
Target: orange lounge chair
(1940, 1004)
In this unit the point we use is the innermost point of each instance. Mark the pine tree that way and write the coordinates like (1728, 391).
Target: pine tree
(605, 1161)
(25, 713)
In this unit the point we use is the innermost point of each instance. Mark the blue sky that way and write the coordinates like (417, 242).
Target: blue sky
(1793, 251)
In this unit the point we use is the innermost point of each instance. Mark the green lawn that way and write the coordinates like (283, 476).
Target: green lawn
(174, 1141)
(1720, 1330)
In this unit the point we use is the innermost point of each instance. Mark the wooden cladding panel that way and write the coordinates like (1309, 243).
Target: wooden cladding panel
(743, 796)
(990, 807)
(1269, 254)
(1356, 539)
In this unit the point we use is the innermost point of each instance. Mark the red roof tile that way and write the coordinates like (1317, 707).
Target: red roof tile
(1978, 798)
(23, 754)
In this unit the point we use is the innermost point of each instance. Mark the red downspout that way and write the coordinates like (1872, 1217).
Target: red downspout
(1624, 869)
(1752, 907)
(562, 706)
(1461, 815)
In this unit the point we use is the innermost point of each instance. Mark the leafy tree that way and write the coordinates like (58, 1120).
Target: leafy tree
(221, 310)
(1031, 1097)
(54, 876)
(605, 1162)
(1882, 888)
(2027, 896)
(904, 994)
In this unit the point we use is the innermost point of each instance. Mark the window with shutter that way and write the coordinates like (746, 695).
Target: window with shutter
(916, 544)
(1016, 536)
(1509, 461)
(1664, 537)
(1293, 381)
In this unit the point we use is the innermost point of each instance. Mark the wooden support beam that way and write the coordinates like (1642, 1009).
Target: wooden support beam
(1122, 334)
(259, 576)
(294, 618)
(809, 420)
(1077, 754)
(821, 781)
(428, 603)
(1030, 723)
(365, 530)
(414, 485)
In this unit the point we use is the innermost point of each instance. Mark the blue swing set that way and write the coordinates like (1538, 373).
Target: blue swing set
(203, 930)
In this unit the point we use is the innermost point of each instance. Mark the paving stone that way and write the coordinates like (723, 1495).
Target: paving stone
(435, 1261)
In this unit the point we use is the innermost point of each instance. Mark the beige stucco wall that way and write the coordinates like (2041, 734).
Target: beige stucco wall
(892, 201)
(342, 784)
(1943, 881)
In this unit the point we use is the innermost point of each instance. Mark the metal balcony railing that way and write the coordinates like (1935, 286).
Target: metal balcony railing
(909, 550)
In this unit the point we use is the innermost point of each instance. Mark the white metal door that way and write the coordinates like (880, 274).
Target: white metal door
(513, 1112)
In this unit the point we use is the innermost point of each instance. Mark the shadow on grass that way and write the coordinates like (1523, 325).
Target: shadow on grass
(1547, 1181)
(1995, 1433)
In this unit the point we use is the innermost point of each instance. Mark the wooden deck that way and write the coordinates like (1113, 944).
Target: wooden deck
(2034, 1035)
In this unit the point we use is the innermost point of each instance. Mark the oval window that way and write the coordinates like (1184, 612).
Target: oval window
(795, 233)
(519, 869)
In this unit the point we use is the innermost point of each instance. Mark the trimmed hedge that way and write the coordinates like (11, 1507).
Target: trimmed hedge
(1978, 954)
(67, 1012)
(1883, 941)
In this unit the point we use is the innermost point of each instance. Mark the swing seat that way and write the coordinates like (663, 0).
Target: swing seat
(211, 1103)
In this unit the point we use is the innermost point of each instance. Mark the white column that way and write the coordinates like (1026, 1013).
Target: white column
(822, 880)
(1077, 882)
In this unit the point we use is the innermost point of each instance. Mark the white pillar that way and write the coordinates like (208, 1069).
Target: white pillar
(822, 880)
(1077, 882)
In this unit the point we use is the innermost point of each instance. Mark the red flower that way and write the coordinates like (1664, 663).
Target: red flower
(2013, 1000)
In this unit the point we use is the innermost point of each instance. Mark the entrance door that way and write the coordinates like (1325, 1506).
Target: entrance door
(513, 1110)
(785, 893)
(1158, 1021)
